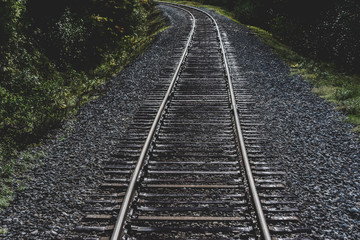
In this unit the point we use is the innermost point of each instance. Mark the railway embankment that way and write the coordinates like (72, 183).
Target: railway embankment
(318, 150)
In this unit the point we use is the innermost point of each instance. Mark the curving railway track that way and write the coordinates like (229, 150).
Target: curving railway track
(201, 173)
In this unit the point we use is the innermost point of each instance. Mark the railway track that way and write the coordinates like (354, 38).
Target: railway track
(201, 173)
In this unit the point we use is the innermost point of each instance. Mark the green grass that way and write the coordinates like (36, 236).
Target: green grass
(6, 194)
(331, 84)
(9, 184)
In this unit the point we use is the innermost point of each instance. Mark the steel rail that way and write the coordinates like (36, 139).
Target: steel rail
(120, 222)
(255, 196)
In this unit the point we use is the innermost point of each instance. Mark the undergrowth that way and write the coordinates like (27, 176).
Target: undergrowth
(331, 84)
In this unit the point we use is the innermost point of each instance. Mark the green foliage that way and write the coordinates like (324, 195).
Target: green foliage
(10, 14)
(342, 94)
(76, 34)
(54, 54)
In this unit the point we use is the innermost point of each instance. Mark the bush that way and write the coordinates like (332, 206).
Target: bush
(72, 33)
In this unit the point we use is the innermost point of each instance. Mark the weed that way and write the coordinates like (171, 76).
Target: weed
(6, 195)
(22, 187)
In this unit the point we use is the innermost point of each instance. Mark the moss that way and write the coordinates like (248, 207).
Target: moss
(3, 231)
(326, 92)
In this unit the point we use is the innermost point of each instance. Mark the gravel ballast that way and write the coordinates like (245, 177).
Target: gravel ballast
(306, 134)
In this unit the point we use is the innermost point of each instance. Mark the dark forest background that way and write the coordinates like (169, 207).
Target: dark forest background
(328, 30)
